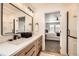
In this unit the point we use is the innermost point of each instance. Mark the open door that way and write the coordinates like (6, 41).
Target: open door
(71, 34)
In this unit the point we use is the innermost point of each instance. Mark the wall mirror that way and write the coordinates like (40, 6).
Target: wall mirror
(15, 20)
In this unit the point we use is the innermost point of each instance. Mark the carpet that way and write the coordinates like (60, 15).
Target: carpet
(52, 46)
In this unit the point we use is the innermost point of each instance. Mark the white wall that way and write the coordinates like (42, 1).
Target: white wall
(0, 19)
(78, 36)
(39, 18)
(78, 32)
(63, 34)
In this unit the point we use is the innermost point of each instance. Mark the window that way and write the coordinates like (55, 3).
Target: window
(54, 28)
(51, 28)
(57, 28)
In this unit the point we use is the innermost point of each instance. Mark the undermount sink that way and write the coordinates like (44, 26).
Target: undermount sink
(25, 36)
(18, 41)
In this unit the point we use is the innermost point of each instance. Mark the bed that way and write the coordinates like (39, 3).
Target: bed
(52, 36)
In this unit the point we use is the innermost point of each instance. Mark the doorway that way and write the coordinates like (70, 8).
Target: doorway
(52, 32)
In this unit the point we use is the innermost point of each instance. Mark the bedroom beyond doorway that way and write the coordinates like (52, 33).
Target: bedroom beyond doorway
(52, 32)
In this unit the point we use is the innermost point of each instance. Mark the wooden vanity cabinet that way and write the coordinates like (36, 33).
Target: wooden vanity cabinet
(29, 50)
(32, 49)
(39, 45)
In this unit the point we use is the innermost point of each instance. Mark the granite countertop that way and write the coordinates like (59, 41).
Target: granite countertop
(10, 48)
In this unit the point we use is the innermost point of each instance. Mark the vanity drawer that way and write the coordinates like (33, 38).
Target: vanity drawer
(28, 51)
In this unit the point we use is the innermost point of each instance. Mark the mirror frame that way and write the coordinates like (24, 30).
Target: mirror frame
(2, 5)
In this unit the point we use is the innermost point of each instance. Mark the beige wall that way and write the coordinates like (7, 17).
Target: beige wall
(24, 7)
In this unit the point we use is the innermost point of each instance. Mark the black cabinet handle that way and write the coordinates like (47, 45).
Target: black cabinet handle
(71, 35)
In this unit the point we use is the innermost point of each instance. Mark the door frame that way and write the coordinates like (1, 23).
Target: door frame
(45, 26)
(67, 32)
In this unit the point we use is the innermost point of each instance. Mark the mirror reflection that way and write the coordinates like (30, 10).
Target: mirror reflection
(15, 21)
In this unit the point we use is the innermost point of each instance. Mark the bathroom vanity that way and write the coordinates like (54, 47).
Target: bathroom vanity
(22, 47)
(32, 49)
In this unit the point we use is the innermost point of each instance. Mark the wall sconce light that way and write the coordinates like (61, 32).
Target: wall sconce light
(30, 9)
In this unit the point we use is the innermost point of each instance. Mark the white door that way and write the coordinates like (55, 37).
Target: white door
(72, 34)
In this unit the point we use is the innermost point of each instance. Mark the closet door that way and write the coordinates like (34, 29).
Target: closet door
(72, 33)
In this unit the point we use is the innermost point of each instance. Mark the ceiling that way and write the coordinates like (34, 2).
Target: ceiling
(49, 5)
(45, 5)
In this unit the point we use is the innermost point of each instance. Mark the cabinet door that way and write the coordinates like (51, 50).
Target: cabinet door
(31, 52)
(39, 45)
(28, 51)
